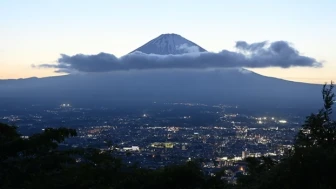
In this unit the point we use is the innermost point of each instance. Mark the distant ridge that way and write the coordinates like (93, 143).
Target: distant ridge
(166, 44)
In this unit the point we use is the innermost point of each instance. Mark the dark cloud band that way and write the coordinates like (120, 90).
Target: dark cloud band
(255, 55)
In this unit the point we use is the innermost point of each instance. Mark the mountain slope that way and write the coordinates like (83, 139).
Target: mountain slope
(169, 44)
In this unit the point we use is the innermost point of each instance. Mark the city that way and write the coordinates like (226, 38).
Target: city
(169, 133)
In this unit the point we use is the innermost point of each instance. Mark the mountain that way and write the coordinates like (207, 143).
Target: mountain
(128, 88)
(169, 44)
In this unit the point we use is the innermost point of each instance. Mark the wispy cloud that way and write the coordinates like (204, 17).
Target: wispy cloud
(254, 55)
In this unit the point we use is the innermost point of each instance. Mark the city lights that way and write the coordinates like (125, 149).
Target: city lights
(282, 121)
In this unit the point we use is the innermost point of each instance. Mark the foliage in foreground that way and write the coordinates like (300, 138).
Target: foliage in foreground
(312, 161)
(38, 163)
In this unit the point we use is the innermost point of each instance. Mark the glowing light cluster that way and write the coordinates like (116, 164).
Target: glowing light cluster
(282, 121)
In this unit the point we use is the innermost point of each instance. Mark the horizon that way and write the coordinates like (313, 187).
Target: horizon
(42, 36)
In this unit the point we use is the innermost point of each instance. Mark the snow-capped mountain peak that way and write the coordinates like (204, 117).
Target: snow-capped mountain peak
(169, 44)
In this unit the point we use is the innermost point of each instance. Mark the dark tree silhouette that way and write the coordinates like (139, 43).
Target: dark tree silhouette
(38, 163)
(319, 129)
(312, 161)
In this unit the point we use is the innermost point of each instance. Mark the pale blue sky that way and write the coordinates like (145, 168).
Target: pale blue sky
(34, 32)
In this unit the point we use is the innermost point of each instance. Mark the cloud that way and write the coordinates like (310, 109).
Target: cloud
(254, 55)
(188, 49)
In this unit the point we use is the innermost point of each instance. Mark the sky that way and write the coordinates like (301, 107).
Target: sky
(37, 32)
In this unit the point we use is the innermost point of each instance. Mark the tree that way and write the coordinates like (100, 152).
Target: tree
(22, 159)
(319, 129)
(310, 164)
(37, 163)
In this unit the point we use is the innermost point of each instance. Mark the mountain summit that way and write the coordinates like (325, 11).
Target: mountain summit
(166, 44)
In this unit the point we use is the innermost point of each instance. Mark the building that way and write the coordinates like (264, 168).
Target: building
(245, 154)
(133, 148)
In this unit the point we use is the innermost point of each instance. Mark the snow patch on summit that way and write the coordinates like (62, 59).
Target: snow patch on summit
(167, 44)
